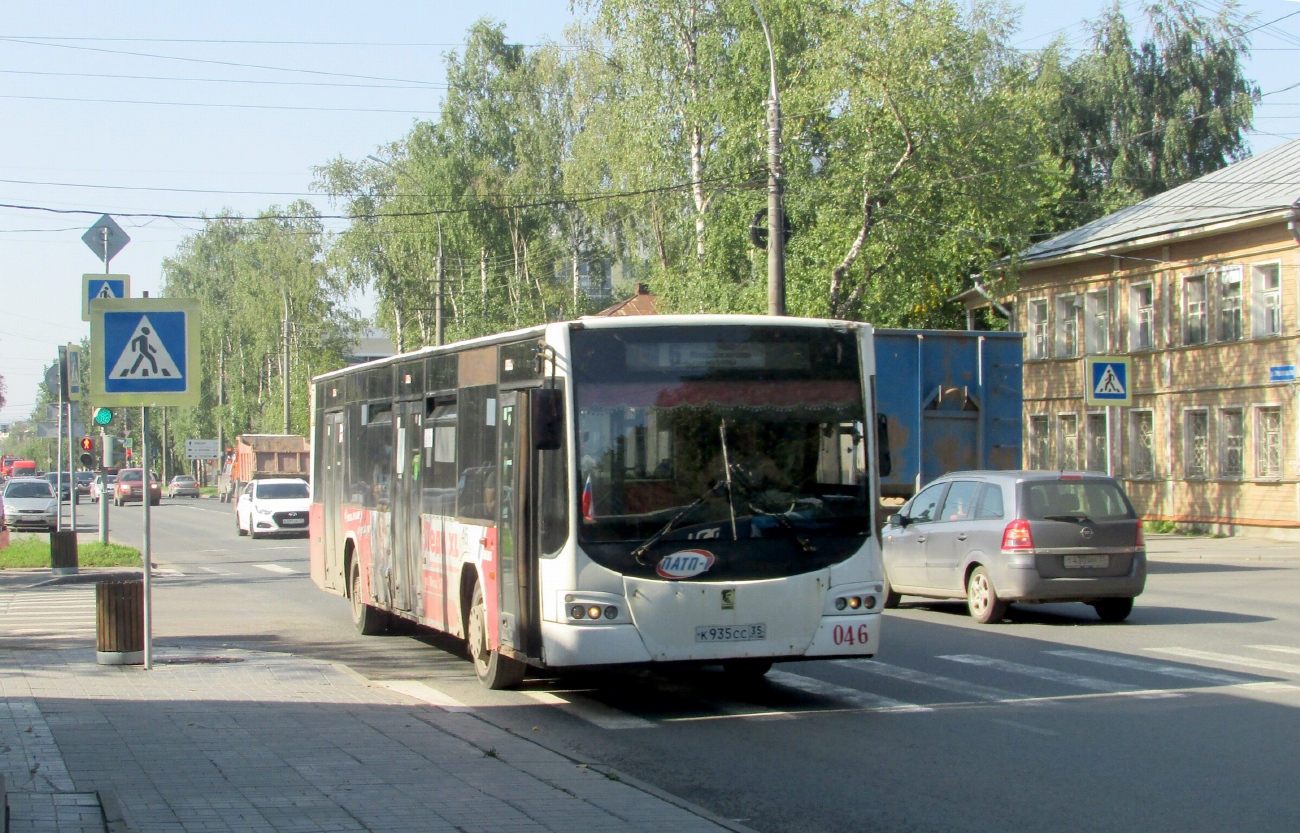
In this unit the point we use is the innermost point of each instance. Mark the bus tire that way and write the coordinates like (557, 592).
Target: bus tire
(368, 620)
(494, 670)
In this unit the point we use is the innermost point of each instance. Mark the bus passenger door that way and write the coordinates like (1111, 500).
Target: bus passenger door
(332, 489)
(517, 583)
(405, 575)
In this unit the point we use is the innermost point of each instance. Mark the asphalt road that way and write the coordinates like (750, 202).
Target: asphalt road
(1183, 718)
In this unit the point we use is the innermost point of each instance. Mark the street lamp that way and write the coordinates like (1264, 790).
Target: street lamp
(438, 323)
(775, 218)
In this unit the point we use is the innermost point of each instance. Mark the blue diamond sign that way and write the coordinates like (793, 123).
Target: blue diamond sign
(146, 351)
(1107, 380)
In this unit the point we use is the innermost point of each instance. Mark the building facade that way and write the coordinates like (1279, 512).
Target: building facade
(1198, 287)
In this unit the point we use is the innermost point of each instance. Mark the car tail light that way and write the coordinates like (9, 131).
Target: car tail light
(1017, 537)
(1141, 540)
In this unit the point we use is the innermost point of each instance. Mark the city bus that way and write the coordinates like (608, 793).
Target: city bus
(695, 489)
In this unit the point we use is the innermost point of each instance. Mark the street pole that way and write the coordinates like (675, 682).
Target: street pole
(145, 560)
(72, 473)
(103, 483)
(284, 369)
(58, 444)
(775, 215)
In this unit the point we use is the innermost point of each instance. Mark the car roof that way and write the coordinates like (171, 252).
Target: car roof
(1019, 475)
(28, 480)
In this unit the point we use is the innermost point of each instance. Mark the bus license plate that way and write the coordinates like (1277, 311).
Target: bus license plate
(731, 633)
(1090, 562)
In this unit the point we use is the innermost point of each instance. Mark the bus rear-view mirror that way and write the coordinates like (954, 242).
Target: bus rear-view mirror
(546, 419)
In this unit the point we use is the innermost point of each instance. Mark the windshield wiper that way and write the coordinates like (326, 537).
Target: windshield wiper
(780, 518)
(672, 523)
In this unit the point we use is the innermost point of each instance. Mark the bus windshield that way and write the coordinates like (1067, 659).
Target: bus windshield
(750, 439)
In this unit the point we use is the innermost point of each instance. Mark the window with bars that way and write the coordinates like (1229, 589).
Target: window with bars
(1040, 442)
(1232, 443)
(1097, 442)
(1038, 332)
(1067, 326)
(1196, 438)
(1097, 334)
(1141, 335)
(1230, 315)
(1194, 310)
(1268, 442)
(1142, 457)
(1067, 446)
(1266, 301)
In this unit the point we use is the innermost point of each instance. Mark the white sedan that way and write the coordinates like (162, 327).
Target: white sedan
(273, 507)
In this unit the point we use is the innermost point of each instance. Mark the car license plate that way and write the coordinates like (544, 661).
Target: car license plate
(1087, 562)
(294, 521)
(731, 633)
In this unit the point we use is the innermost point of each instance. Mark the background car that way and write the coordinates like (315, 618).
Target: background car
(102, 485)
(63, 484)
(29, 503)
(183, 485)
(272, 507)
(129, 487)
(83, 481)
(997, 537)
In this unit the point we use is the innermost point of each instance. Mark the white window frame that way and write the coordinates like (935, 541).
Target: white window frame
(1189, 441)
(1203, 315)
(1067, 316)
(1062, 444)
(1226, 330)
(1265, 303)
(1226, 445)
(1040, 441)
(1096, 322)
(1136, 443)
(1136, 319)
(1264, 470)
(1038, 313)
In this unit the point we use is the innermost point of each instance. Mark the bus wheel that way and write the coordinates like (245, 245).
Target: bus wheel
(368, 620)
(494, 670)
(747, 670)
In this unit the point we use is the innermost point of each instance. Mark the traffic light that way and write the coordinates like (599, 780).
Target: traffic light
(128, 454)
(103, 416)
(87, 447)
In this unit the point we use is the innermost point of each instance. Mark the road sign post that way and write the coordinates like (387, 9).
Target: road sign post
(1107, 382)
(146, 353)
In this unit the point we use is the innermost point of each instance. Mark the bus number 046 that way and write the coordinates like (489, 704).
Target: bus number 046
(850, 635)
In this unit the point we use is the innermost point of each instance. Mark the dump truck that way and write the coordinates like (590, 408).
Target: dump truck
(946, 400)
(258, 456)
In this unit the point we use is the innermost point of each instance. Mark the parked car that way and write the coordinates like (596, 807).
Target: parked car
(275, 506)
(129, 487)
(997, 537)
(183, 485)
(83, 481)
(63, 484)
(101, 485)
(29, 503)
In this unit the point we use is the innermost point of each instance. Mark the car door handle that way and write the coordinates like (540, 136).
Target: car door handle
(961, 536)
(920, 539)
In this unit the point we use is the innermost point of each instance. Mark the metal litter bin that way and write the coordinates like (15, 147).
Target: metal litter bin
(119, 622)
(63, 552)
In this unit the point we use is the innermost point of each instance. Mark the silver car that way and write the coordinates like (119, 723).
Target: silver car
(997, 537)
(29, 504)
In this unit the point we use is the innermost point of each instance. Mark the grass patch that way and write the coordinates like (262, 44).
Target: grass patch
(1160, 527)
(34, 551)
(208, 491)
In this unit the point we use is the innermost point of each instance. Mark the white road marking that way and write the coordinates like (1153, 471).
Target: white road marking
(1153, 668)
(1055, 676)
(275, 568)
(1280, 649)
(592, 711)
(1230, 659)
(961, 687)
(860, 699)
(1015, 724)
(67, 612)
(425, 693)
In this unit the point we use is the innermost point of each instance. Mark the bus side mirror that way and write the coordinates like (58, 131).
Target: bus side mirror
(885, 464)
(546, 419)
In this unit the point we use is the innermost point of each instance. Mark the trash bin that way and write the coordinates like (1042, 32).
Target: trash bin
(63, 552)
(119, 622)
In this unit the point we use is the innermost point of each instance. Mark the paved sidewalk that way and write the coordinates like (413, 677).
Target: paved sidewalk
(1208, 548)
(252, 741)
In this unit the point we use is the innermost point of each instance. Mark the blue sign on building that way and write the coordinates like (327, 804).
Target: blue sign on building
(1281, 373)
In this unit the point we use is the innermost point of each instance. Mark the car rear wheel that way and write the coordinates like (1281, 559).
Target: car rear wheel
(1113, 610)
(494, 670)
(982, 599)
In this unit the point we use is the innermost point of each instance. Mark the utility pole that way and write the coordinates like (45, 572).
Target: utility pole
(284, 368)
(775, 215)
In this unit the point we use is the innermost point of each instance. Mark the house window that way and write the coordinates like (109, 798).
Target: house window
(1038, 329)
(1232, 443)
(1097, 333)
(1040, 443)
(1097, 442)
(1230, 304)
(1194, 310)
(1266, 301)
(1067, 446)
(1141, 317)
(1268, 442)
(1067, 326)
(1196, 438)
(1142, 457)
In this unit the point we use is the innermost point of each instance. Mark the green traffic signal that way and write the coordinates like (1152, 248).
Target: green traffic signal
(103, 416)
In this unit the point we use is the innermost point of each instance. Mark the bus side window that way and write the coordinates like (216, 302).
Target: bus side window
(439, 449)
(476, 441)
(555, 486)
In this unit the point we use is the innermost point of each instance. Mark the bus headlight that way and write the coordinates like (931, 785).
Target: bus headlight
(861, 599)
(592, 608)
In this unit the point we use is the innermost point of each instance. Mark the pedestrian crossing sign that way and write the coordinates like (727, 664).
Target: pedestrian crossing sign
(102, 288)
(146, 351)
(1106, 379)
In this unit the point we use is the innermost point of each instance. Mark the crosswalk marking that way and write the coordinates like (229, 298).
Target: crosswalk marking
(973, 691)
(1153, 668)
(1230, 659)
(1055, 676)
(426, 693)
(592, 711)
(1281, 649)
(275, 568)
(65, 612)
(859, 699)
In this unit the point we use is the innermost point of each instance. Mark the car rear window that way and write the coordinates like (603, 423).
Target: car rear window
(1095, 499)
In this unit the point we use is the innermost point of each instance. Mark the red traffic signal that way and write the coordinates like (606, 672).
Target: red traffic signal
(128, 454)
(87, 444)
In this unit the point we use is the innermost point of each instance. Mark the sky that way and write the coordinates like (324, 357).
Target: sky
(155, 107)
